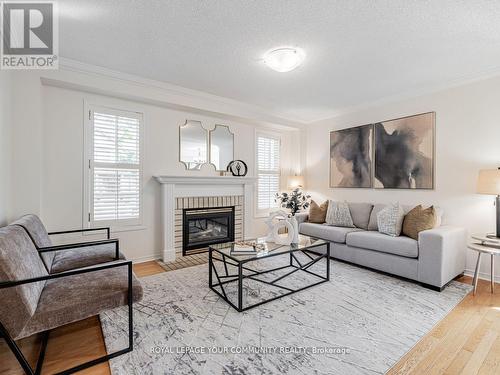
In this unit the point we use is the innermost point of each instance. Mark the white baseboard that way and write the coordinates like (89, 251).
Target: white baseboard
(482, 275)
(146, 258)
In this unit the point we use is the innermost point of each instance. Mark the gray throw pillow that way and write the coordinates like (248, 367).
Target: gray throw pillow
(338, 214)
(372, 224)
(360, 213)
(390, 219)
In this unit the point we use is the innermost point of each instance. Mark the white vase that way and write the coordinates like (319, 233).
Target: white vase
(295, 224)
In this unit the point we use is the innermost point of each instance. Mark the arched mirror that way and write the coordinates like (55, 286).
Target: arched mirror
(193, 145)
(221, 147)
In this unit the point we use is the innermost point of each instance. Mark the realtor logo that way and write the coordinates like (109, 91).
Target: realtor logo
(29, 35)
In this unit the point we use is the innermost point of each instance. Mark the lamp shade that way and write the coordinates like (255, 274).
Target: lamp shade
(294, 182)
(489, 182)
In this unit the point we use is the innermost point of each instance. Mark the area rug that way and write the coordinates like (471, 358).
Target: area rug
(360, 322)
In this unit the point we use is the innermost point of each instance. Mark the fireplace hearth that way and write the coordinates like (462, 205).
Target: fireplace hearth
(206, 226)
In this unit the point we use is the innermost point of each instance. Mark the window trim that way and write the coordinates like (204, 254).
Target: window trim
(260, 213)
(115, 225)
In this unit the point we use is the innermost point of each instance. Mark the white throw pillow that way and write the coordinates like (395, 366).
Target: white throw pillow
(339, 215)
(390, 219)
(439, 216)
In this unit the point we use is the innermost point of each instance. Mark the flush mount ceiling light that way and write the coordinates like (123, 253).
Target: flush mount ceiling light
(284, 59)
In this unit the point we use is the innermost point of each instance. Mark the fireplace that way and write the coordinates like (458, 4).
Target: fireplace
(206, 226)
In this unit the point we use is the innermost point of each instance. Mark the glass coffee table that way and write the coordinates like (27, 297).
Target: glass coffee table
(274, 271)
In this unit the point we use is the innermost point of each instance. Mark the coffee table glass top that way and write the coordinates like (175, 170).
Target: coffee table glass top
(266, 249)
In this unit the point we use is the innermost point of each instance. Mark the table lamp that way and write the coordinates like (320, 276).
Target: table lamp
(294, 182)
(489, 183)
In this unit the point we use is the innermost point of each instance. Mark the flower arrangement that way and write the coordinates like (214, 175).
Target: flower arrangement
(294, 201)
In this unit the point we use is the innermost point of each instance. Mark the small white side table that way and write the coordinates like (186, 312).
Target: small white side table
(487, 244)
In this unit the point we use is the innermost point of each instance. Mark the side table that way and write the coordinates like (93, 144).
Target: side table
(486, 244)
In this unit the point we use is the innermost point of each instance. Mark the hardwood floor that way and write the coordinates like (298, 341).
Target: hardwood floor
(69, 345)
(467, 341)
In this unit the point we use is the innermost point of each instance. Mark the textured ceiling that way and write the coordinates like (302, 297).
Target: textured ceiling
(358, 51)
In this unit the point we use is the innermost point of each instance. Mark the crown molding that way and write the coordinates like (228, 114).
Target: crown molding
(210, 104)
(411, 94)
(213, 105)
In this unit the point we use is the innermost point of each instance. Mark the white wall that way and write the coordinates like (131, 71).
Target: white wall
(467, 139)
(49, 164)
(5, 138)
(25, 143)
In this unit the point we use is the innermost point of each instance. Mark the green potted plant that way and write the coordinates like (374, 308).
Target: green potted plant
(294, 201)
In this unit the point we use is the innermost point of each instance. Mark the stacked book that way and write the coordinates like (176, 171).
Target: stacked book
(245, 248)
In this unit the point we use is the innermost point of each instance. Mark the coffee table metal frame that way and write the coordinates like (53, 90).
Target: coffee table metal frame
(215, 255)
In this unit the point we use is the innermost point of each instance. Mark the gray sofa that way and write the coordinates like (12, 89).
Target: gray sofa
(435, 259)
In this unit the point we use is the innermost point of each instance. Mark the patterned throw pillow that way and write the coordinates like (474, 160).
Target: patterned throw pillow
(418, 220)
(317, 214)
(390, 219)
(338, 214)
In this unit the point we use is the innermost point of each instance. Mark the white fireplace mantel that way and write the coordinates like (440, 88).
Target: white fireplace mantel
(199, 186)
(211, 180)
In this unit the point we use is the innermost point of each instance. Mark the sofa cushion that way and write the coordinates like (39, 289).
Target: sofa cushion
(390, 220)
(326, 232)
(403, 246)
(302, 217)
(418, 220)
(439, 216)
(360, 213)
(317, 214)
(338, 214)
(19, 260)
(83, 257)
(372, 224)
(73, 298)
(36, 230)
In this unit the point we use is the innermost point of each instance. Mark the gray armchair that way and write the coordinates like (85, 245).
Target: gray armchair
(36, 301)
(77, 255)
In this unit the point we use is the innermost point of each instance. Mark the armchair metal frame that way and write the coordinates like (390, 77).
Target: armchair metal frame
(107, 229)
(45, 335)
(76, 244)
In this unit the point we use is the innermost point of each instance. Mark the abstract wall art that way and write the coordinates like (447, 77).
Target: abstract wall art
(351, 157)
(404, 152)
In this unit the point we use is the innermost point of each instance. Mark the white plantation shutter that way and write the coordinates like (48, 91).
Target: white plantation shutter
(115, 167)
(268, 171)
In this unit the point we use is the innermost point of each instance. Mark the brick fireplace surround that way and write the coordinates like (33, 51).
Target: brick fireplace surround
(235, 201)
(180, 192)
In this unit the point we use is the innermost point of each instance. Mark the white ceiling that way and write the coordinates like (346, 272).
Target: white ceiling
(358, 51)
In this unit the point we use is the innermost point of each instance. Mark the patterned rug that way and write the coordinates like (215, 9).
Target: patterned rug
(360, 322)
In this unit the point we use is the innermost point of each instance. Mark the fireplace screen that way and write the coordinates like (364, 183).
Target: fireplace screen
(203, 227)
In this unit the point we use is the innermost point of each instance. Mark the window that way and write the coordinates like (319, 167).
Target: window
(114, 165)
(268, 172)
